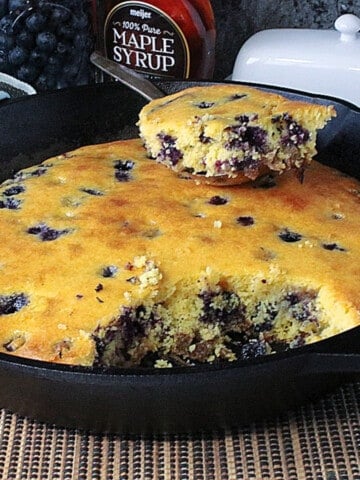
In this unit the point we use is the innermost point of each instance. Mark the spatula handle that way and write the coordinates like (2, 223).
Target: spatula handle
(128, 77)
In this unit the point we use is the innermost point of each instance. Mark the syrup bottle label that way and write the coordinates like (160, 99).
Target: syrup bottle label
(146, 39)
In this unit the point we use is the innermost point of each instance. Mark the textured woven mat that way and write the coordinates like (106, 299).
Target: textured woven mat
(318, 441)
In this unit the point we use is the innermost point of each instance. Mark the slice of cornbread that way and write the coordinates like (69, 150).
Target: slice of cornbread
(108, 258)
(231, 133)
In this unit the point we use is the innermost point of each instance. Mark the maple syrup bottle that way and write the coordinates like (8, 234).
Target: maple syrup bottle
(159, 38)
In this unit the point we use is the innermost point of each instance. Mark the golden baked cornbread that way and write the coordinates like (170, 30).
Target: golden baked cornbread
(231, 133)
(108, 258)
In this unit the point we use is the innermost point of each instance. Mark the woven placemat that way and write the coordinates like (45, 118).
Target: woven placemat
(319, 441)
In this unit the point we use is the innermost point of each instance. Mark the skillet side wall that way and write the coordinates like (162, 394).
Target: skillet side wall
(35, 128)
(161, 403)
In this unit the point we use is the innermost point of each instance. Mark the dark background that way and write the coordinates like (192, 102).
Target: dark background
(237, 20)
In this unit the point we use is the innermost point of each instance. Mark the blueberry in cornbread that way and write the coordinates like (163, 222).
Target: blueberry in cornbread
(111, 259)
(231, 133)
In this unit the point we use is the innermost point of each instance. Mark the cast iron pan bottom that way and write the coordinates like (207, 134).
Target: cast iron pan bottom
(172, 400)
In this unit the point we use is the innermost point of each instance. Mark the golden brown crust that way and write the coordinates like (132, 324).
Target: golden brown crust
(107, 257)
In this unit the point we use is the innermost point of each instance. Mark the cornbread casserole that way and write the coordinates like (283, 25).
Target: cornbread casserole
(108, 258)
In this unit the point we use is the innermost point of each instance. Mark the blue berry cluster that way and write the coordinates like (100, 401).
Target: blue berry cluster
(44, 43)
(12, 303)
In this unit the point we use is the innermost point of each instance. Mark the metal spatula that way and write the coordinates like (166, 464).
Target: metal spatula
(128, 77)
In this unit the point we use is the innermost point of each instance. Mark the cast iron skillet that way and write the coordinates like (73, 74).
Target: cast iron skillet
(181, 399)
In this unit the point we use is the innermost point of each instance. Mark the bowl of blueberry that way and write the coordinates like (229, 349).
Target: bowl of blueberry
(46, 44)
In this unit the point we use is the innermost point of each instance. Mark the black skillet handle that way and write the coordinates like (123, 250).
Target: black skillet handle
(338, 354)
(322, 363)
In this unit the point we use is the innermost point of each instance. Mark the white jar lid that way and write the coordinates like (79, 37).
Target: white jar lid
(325, 62)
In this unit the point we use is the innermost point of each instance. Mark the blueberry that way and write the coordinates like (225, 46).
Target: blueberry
(238, 96)
(35, 22)
(6, 41)
(12, 303)
(62, 48)
(92, 191)
(122, 170)
(302, 305)
(25, 39)
(297, 134)
(51, 234)
(60, 15)
(221, 308)
(27, 73)
(37, 172)
(46, 82)
(122, 176)
(14, 190)
(131, 324)
(265, 326)
(242, 118)
(337, 216)
(70, 72)
(18, 4)
(54, 65)
(247, 164)
(66, 31)
(254, 348)
(245, 221)
(109, 271)
(35, 230)
(289, 236)
(45, 233)
(46, 41)
(204, 139)
(333, 246)
(305, 312)
(204, 104)
(45, 7)
(18, 56)
(10, 203)
(6, 24)
(124, 165)
(38, 58)
(293, 298)
(247, 137)
(292, 133)
(217, 200)
(168, 151)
